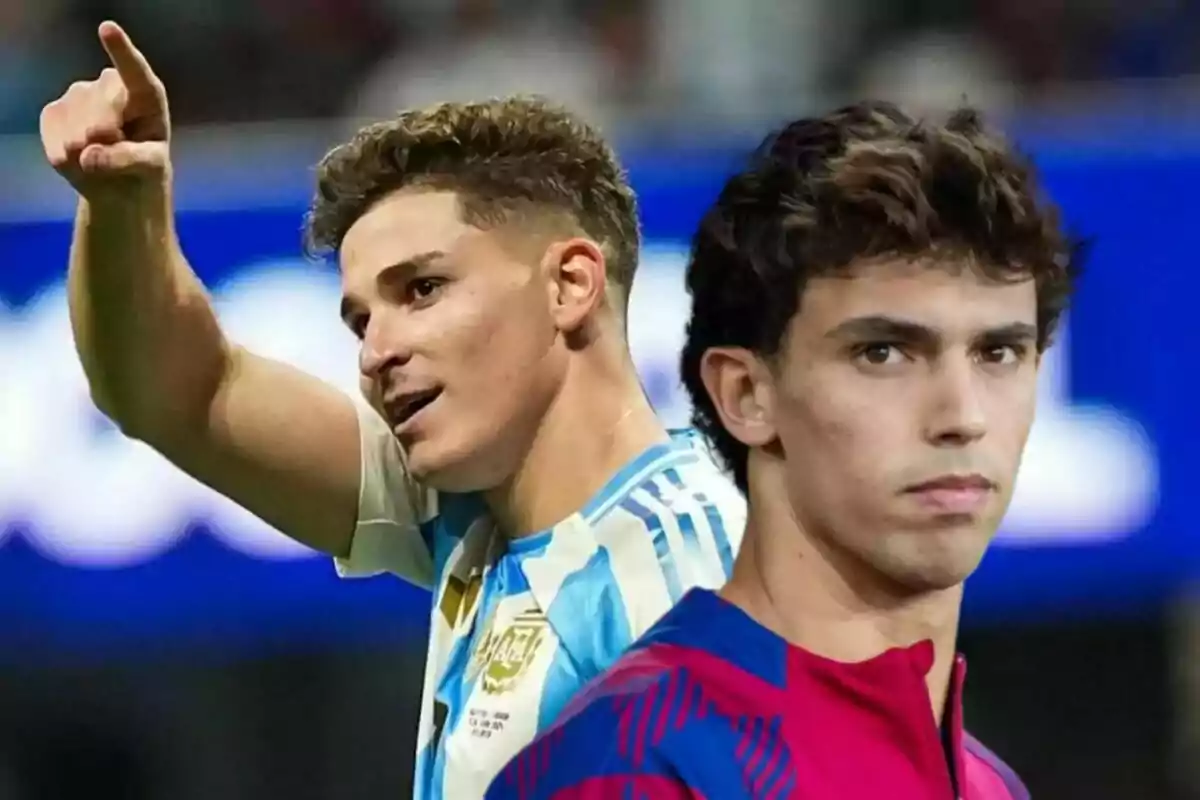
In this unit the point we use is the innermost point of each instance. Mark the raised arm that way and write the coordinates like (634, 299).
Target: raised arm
(278, 441)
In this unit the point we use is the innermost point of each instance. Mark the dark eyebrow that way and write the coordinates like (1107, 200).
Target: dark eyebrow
(1012, 332)
(884, 328)
(394, 273)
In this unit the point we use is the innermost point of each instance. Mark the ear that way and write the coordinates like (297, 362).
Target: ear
(743, 392)
(576, 272)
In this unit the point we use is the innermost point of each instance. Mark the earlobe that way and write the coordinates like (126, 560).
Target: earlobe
(741, 392)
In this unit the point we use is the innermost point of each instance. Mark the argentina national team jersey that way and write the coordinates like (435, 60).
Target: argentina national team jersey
(517, 627)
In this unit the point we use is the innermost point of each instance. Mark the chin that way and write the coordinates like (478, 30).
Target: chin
(923, 580)
(452, 469)
(935, 574)
(937, 559)
(925, 564)
(435, 470)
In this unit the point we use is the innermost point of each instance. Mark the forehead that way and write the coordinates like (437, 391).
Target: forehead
(953, 297)
(403, 225)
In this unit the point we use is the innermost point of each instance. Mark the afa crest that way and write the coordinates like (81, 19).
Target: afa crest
(504, 657)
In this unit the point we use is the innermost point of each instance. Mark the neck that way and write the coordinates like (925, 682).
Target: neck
(827, 606)
(599, 421)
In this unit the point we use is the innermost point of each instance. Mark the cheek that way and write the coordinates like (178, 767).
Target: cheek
(1012, 415)
(456, 332)
(1011, 403)
(833, 446)
(844, 452)
(495, 340)
(842, 428)
(1023, 422)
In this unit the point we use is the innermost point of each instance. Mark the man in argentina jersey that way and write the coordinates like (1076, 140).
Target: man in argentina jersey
(510, 461)
(519, 625)
(515, 467)
(871, 297)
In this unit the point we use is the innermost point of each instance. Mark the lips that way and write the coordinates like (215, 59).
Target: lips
(403, 407)
(954, 483)
(954, 494)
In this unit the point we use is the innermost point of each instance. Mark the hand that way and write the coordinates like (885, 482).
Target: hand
(111, 135)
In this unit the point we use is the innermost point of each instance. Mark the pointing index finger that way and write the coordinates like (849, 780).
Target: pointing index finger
(131, 65)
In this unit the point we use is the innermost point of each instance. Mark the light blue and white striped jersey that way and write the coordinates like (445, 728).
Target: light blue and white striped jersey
(519, 626)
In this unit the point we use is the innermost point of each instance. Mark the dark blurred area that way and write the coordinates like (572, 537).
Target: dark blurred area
(1102, 704)
(235, 60)
(300, 725)
(1082, 712)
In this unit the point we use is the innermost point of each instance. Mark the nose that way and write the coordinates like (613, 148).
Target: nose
(384, 346)
(957, 414)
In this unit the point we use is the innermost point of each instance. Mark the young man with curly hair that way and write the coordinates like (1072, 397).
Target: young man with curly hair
(508, 459)
(871, 297)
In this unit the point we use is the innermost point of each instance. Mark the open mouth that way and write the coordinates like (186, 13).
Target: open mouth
(404, 408)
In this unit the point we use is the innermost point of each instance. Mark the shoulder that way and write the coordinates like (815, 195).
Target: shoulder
(700, 478)
(642, 671)
(606, 737)
(678, 475)
(675, 525)
(641, 726)
(696, 494)
(988, 777)
(672, 675)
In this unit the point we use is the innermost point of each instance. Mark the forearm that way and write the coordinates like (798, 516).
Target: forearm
(146, 333)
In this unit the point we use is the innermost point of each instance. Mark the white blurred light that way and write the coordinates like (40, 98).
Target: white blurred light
(11, 449)
(1088, 474)
(91, 497)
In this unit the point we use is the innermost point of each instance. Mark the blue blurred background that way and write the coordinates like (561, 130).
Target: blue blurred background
(157, 642)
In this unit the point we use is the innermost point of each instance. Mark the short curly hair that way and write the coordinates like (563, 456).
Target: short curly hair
(865, 181)
(510, 159)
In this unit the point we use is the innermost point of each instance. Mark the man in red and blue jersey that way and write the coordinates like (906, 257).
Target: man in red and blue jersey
(871, 299)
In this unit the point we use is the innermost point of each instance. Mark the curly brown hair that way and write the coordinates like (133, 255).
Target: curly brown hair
(865, 181)
(515, 159)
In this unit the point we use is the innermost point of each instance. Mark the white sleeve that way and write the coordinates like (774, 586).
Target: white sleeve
(387, 535)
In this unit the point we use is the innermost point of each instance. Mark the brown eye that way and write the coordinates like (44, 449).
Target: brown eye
(1002, 354)
(879, 354)
(423, 289)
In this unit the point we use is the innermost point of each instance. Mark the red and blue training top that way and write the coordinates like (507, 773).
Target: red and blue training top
(710, 704)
